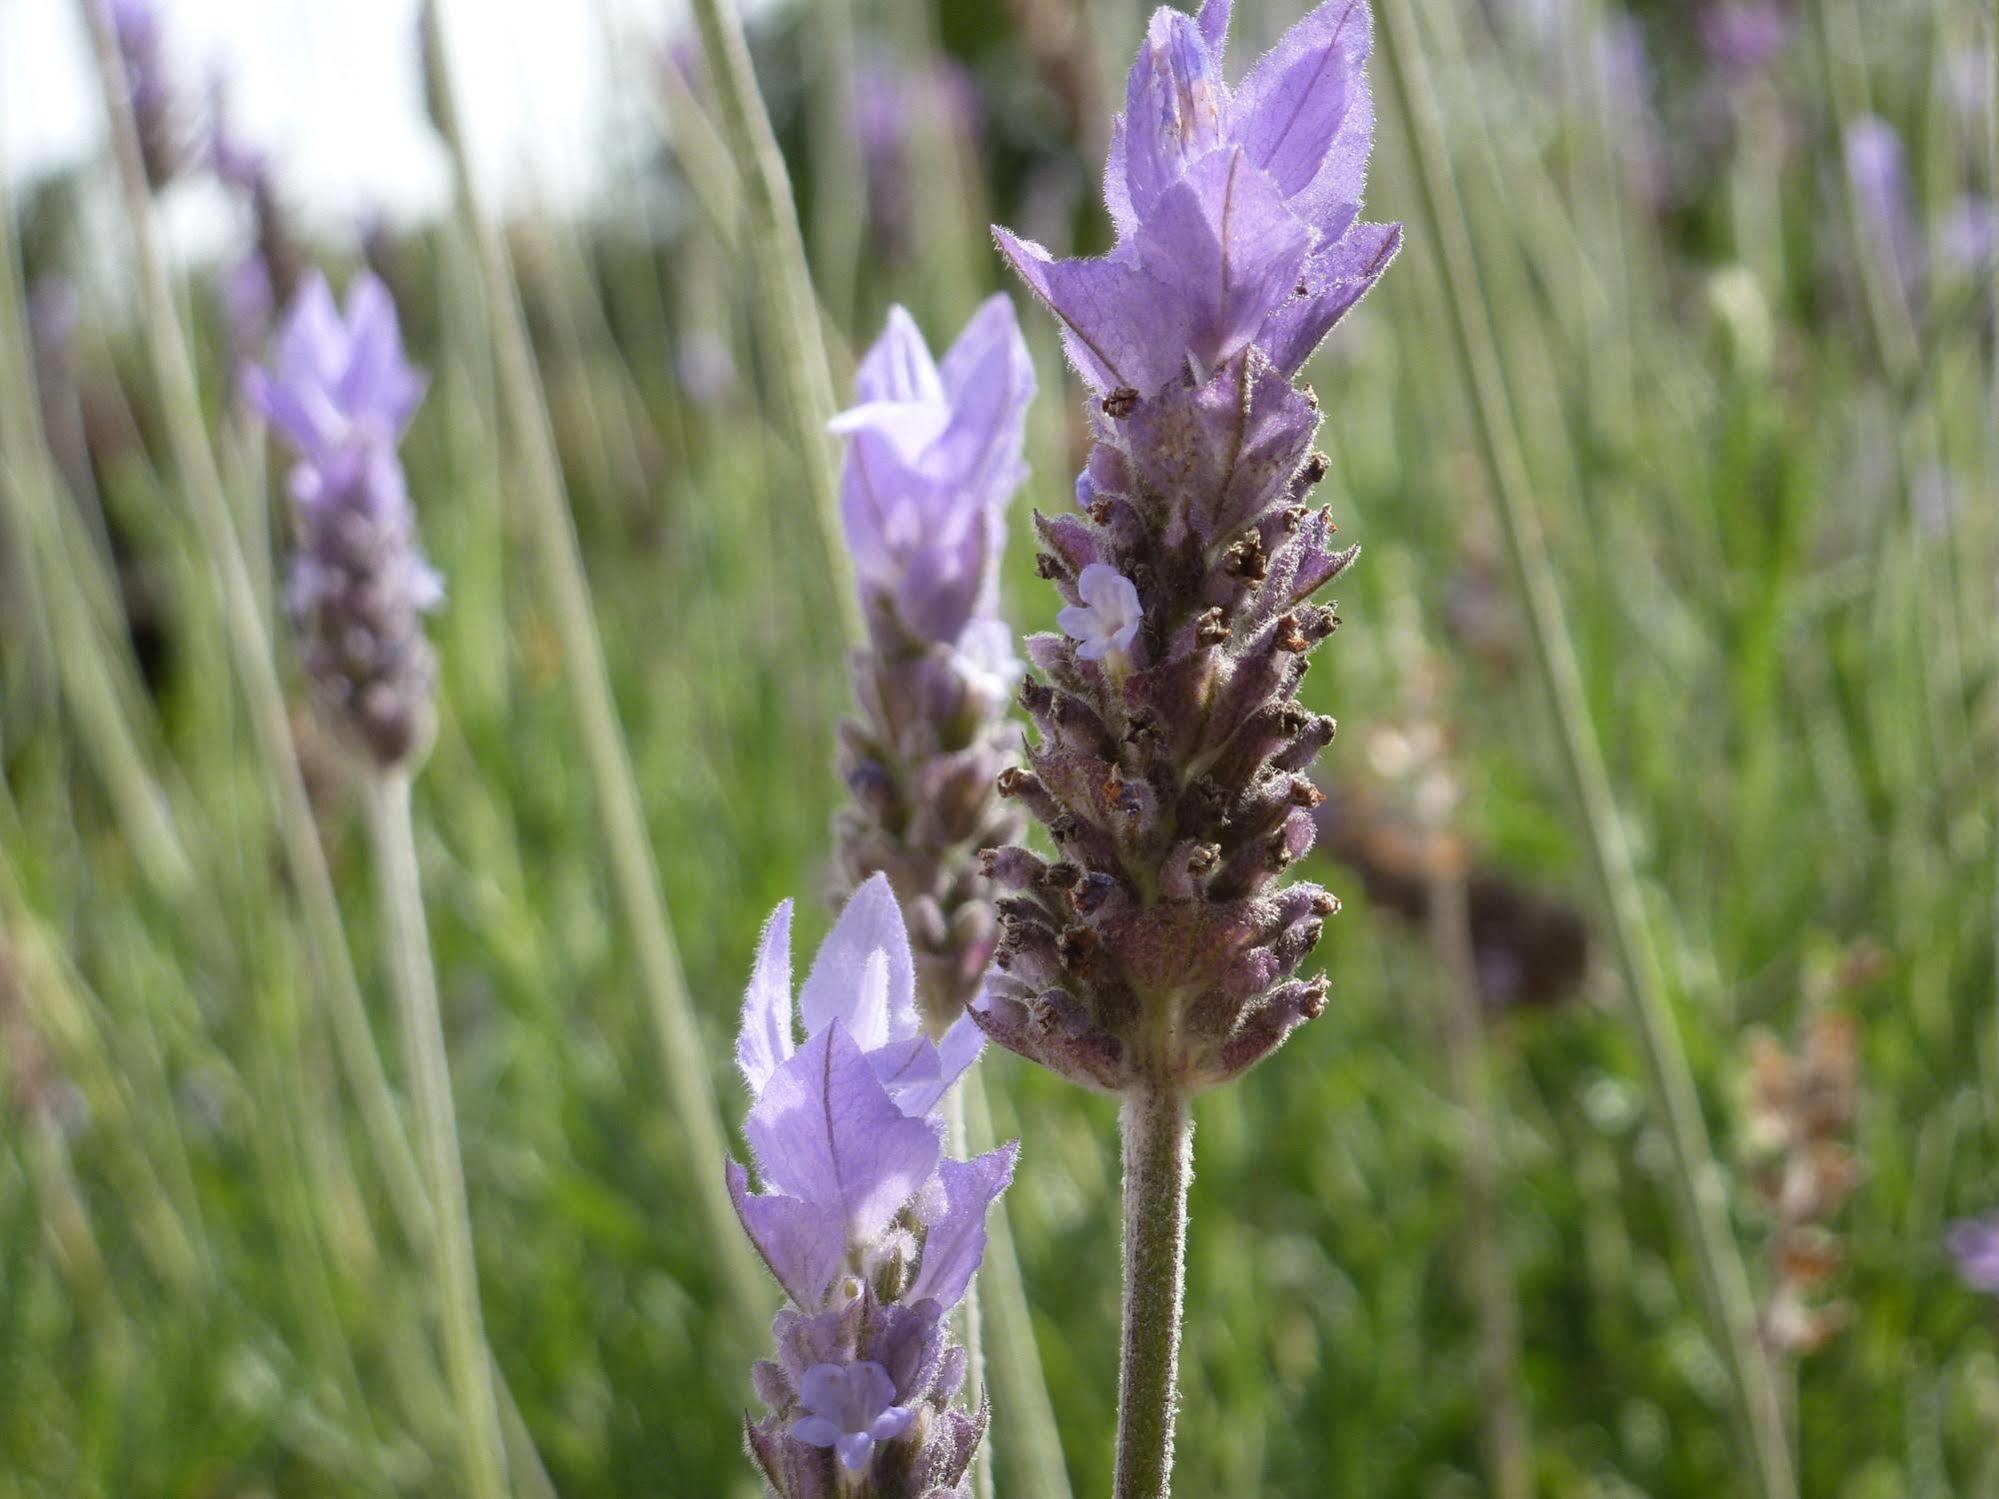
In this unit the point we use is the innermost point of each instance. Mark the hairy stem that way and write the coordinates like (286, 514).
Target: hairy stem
(1158, 1129)
(465, 1356)
(634, 870)
(1697, 1180)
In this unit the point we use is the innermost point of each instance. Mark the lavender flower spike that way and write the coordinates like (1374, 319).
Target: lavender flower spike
(135, 24)
(1974, 1244)
(933, 458)
(1158, 951)
(341, 395)
(871, 1230)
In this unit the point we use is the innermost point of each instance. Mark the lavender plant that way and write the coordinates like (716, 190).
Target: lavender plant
(871, 1230)
(1974, 1245)
(933, 457)
(341, 394)
(1156, 955)
(155, 111)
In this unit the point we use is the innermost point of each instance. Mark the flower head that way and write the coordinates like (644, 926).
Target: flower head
(1974, 1244)
(851, 1408)
(873, 1232)
(934, 454)
(1744, 37)
(1236, 209)
(141, 41)
(1109, 616)
(341, 394)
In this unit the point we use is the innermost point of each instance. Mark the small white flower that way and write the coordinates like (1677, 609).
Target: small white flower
(1109, 615)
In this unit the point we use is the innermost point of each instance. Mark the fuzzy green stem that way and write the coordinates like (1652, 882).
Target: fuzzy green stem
(1697, 1180)
(634, 871)
(1158, 1129)
(786, 307)
(465, 1357)
(971, 1311)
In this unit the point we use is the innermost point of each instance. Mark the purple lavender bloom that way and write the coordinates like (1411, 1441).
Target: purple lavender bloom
(1876, 167)
(1157, 951)
(933, 458)
(1744, 37)
(1237, 210)
(871, 1230)
(934, 455)
(341, 394)
(891, 103)
(1969, 235)
(135, 24)
(1974, 1244)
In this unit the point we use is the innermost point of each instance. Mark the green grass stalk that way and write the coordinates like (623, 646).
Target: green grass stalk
(466, 1361)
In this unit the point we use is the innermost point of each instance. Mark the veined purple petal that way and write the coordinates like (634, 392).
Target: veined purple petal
(1224, 241)
(765, 1038)
(1335, 279)
(1174, 103)
(803, 1243)
(898, 366)
(923, 1075)
(871, 922)
(954, 1242)
(1290, 108)
(1121, 325)
(825, 1131)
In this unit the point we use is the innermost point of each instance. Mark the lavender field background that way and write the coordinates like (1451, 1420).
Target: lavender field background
(1738, 265)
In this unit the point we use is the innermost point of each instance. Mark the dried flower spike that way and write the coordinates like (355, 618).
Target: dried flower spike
(872, 1231)
(933, 458)
(341, 394)
(1157, 950)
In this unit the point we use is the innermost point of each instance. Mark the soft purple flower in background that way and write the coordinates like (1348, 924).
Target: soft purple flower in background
(1744, 37)
(1236, 209)
(1969, 235)
(891, 102)
(142, 50)
(341, 394)
(1108, 617)
(248, 306)
(871, 1230)
(933, 456)
(1974, 1244)
(1876, 167)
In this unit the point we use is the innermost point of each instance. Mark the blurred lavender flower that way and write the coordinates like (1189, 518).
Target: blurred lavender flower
(1974, 1244)
(873, 1233)
(1877, 169)
(341, 394)
(891, 102)
(1969, 235)
(142, 50)
(1157, 952)
(1743, 38)
(933, 458)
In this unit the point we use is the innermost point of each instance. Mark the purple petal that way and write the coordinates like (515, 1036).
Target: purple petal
(1224, 240)
(834, 989)
(1122, 327)
(855, 1449)
(955, 1240)
(898, 367)
(765, 1039)
(1335, 279)
(1173, 108)
(1292, 107)
(826, 1131)
(1213, 21)
(804, 1244)
(815, 1431)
